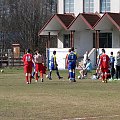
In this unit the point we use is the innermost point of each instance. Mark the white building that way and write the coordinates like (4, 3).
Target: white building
(88, 6)
(85, 24)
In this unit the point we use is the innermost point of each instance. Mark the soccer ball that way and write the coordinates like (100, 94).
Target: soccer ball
(2, 70)
(79, 77)
(47, 76)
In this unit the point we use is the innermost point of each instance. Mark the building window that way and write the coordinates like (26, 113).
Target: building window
(88, 6)
(105, 40)
(68, 6)
(104, 6)
(66, 41)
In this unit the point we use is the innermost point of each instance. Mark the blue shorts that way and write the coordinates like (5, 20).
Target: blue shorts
(71, 66)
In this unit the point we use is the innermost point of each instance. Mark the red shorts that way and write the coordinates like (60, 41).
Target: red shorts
(28, 69)
(44, 69)
(39, 67)
(104, 70)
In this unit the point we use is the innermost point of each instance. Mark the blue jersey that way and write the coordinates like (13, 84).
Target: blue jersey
(53, 62)
(72, 57)
(89, 66)
(112, 59)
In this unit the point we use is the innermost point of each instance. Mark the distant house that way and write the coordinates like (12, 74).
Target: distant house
(58, 25)
(109, 27)
(85, 24)
(83, 27)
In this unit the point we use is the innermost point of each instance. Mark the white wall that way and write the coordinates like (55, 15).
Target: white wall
(78, 6)
(60, 6)
(60, 41)
(116, 39)
(83, 41)
(115, 6)
(97, 6)
(60, 38)
(60, 56)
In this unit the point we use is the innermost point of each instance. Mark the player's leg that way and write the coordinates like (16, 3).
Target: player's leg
(116, 72)
(30, 73)
(112, 72)
(41, 72)
(50, 75)
(106, 76)
(41, 76)
(82, 73)
(73, 67)
(103, 75)
(36, 72)
(26, 74)
(57, 72)
(33, 73)
(70, 73)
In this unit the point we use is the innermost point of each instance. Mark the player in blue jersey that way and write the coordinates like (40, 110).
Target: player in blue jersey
(112, 69)
(54, 66)
(72, 58)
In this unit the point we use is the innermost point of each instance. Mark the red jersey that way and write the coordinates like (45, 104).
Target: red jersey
(104, 61)
(27, 59)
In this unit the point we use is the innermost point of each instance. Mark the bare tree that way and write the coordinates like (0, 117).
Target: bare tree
(22, 19)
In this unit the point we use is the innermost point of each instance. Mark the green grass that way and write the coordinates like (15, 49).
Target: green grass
(57, 99)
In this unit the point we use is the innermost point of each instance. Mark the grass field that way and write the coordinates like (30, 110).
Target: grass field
(57, 99)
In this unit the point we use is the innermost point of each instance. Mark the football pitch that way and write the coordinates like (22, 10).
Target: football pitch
(57, 99)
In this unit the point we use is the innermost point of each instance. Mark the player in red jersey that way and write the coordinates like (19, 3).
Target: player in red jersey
(28, 61)
(39, 63)
(104, 65)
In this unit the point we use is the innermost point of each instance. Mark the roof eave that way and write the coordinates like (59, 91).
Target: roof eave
(87, 23)
(46, 24)
(59, 20)
(111, 19)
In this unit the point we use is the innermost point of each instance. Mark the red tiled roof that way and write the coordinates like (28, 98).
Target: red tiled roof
(91, 18)
(45, 25)
(115, 17)
(66, 18)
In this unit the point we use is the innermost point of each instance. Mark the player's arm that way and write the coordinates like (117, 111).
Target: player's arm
(23, 59)
(66, 60)
(32, 59)
(99, 63)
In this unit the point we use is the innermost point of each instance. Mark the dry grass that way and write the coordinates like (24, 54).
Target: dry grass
(57, 99)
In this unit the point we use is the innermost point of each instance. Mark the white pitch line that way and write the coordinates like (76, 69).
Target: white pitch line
(85, 118)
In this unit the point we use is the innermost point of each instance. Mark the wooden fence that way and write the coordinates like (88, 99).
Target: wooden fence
(7, 58)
